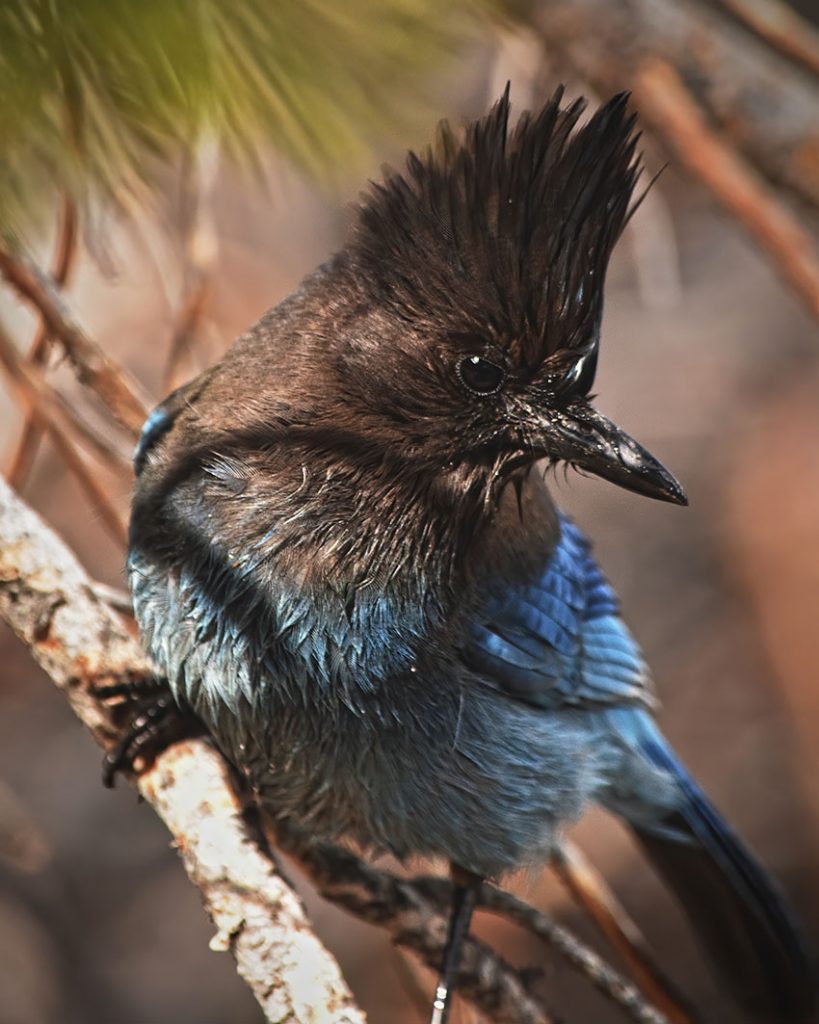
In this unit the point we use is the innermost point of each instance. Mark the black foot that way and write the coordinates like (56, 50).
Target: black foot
(151, 721)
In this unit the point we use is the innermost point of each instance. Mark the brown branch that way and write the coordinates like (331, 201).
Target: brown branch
(781, 27)
(37, 391)
(201, 248)
(63, 427)
(757, 101)
(406, 909)
(414, 913)
(121, 395)
(591, 893)
(23, 846)
(187, 323)
(580, 956)
(22, 458)
(47, 599)
(667, 105)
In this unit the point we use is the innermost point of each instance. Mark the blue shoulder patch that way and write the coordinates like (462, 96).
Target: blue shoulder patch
(558, 639)
(157, 425)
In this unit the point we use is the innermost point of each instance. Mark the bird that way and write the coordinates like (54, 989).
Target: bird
(346, 561)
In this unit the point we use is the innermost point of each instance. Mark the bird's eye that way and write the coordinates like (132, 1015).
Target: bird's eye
(481, 376)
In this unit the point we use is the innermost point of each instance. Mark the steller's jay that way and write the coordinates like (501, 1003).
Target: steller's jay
(344, 564)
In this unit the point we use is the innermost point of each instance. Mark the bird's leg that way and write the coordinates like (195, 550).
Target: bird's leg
(464, 897)
(152, 721)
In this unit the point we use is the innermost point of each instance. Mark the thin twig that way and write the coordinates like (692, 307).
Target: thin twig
(122, 396)
(580, 956)
(592, 893)
(61, 426)
(675, 118)
(105, 448)
(414, 912)
(22, 458)
(35, 390)
(656, 250)
(23, 845)
(781, 27)
(201, 248)
(38, 391)
(392, 902)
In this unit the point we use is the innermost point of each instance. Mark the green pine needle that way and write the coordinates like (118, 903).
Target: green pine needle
(98, 96)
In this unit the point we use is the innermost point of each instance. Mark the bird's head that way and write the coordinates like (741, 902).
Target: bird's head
(479, 277)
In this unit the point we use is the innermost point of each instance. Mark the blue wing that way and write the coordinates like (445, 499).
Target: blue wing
(559, 640)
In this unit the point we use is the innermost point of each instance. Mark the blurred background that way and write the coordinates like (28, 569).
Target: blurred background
(179, 167)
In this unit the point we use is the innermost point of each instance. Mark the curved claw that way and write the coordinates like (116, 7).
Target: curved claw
(154, 722)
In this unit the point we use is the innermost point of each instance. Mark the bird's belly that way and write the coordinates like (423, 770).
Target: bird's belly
(430, 761)
(481, 780)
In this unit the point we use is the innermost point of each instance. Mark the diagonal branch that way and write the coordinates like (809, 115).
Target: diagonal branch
(63, 427)
(37, 391)
(414, 912)
(200, 252)
(592, 894)
(48, 600)
(396, 904)
(675, 118)
(740, 93)
(64, 258)
(781, 27)
(121, 395)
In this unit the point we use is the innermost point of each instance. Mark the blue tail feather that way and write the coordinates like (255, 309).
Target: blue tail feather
(734, 905)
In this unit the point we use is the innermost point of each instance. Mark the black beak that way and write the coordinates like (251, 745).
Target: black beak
(581, 435)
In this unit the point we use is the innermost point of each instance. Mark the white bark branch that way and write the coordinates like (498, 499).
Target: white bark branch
(48, 600)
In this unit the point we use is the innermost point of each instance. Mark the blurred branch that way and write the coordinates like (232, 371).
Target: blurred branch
(115, 597)
(781, 26)
(761, 105)
(64, 258)
(656, 252)
(669, 108)
(38, 392)
(201, 247)
(62, 427)
(23, 847)
(48, 600)
(742, 105)
(121, 395)
(591, 893)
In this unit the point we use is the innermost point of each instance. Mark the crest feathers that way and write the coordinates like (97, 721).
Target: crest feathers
(504, 231)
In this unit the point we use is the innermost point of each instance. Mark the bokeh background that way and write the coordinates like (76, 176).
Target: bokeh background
(707, 357)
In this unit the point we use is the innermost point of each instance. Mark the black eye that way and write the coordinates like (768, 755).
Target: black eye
(481, 376)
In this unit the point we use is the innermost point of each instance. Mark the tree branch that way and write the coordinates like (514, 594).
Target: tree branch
(667, 105)
(592, 894)
(121, 395)
(65, 253)
(778, 24)
(742, 105)
(414, 913)
(48, 600)
(64, 427)
(399, 905)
